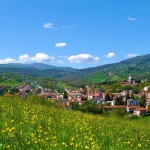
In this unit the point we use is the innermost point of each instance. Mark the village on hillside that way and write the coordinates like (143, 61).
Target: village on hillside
(138, 104)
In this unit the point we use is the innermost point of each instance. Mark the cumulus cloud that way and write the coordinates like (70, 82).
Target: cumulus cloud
(60, 62)
(48, 25)
(7, 60)
(132, 19)
(40, 57)
(131, 55)
(24, 58)
(110, 55)
(60, 44)
(80, 58)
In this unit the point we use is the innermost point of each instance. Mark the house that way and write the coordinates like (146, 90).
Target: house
(132, 105)
(26, 90)
(69, 102)
(147, 88)
(131, 108)
(140, 111)
(130, 81)
(114, 107)
(131, 102)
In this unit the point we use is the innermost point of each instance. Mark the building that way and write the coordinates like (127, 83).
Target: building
(140, 111)
(131, 108)
(131, 102)
(106, 108)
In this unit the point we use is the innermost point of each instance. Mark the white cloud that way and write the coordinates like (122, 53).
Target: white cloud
(131, 19)
(7, 60)
(24, 58)
(72, 26)
(48, 25)
(110, 55)
(82, 58)
(60, 62)
(63, 57)
(131, 55)
(40, 57)
(64, 27)
(60, 44)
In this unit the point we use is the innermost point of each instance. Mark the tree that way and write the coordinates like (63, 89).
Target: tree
(107, 98)
(65, 96)
(82, 86)
(143, 101)
(136, 97)
(127, 97)
(13, 90)
(119, 101)
(132, 96)
(60, 90)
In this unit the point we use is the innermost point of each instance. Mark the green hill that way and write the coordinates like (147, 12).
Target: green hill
(138, 67)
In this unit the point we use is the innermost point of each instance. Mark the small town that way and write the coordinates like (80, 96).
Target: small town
(137, 104)
(74, 75)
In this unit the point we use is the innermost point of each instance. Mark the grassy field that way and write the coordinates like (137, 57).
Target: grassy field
(63, 84)
(36, 124)
(10, 83)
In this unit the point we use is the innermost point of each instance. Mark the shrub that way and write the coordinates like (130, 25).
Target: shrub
(119, 112)
(131, 116)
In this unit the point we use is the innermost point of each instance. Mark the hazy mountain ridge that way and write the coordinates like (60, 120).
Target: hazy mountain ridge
(39, 66)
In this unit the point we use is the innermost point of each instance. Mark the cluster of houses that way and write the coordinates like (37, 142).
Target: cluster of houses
(95, 95)
(98, 96)
(133, 106)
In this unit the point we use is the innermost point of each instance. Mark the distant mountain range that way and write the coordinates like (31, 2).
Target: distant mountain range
(39, 66)
(138, 67)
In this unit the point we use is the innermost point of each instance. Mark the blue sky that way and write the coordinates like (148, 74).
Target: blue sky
(73, 33)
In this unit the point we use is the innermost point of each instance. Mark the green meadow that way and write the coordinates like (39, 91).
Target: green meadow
(35, 124)
(10, 83)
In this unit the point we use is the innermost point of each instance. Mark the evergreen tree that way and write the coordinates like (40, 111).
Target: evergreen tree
(143, 102)
(119, 101)
(65, 96)
(107, 98)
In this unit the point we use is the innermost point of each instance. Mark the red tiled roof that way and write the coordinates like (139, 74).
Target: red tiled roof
(134, 106)
(140, 108)
(116, 106)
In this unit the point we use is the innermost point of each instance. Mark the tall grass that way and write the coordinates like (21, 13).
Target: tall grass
(36, 124)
